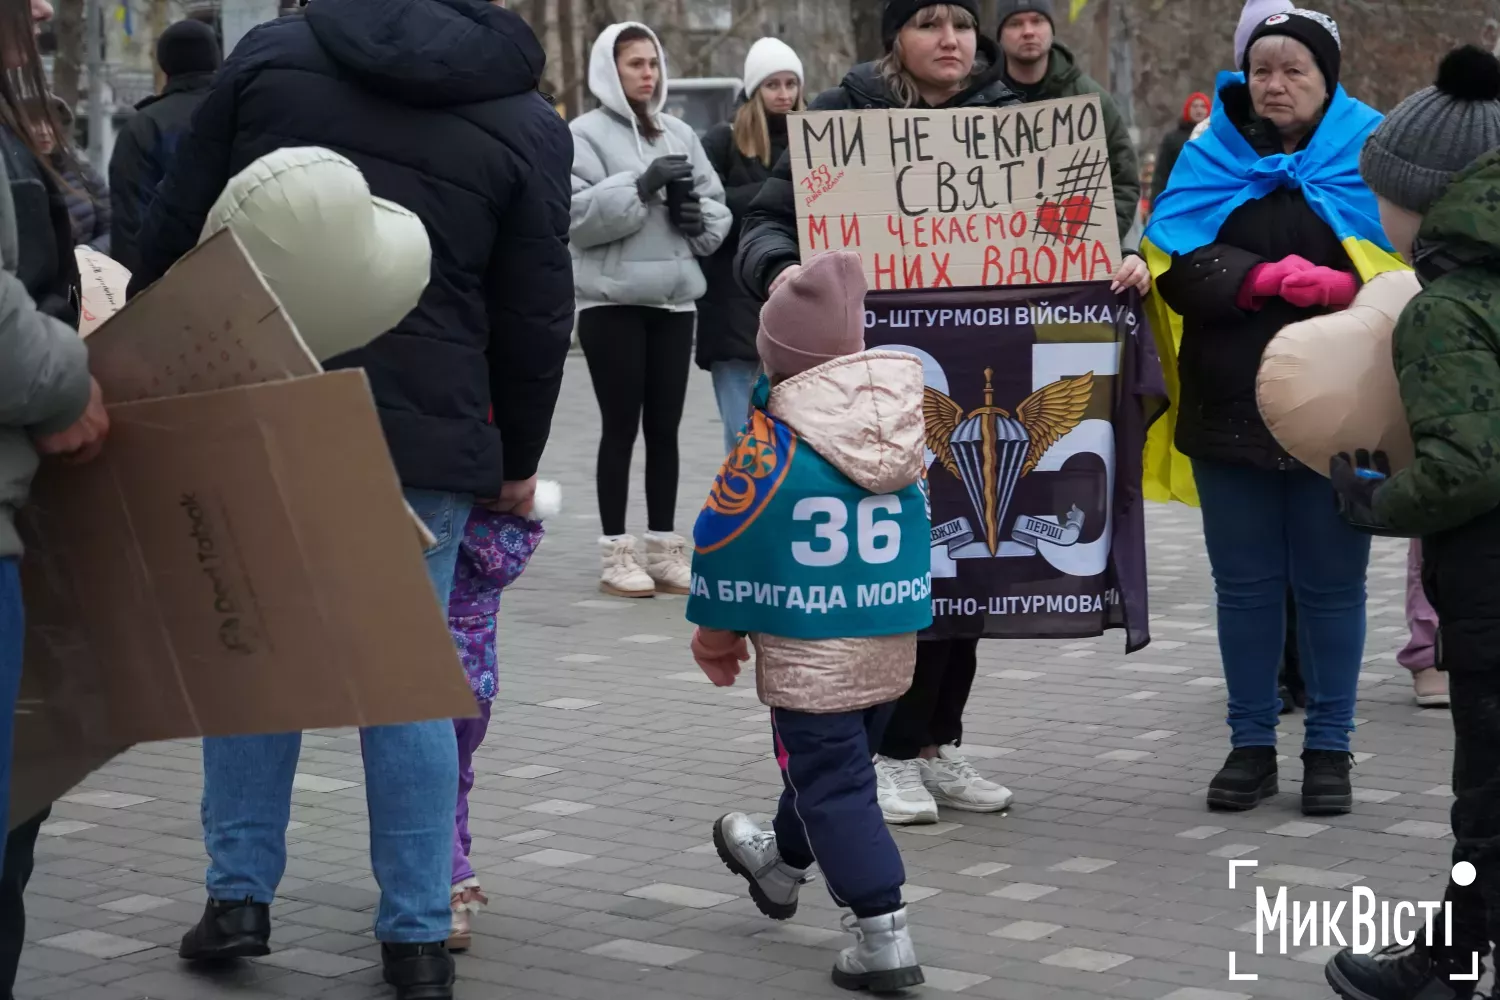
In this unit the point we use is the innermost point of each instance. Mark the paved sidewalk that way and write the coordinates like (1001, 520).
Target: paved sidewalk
(610, 755)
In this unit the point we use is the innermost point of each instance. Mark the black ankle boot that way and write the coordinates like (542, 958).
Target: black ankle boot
(419, 971)
(1395, 974)
(1325, 783)
(1247, 777)
(229, 930)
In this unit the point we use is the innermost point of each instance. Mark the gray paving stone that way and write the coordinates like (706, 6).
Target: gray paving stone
(643, 952)
(316, 963)
(97, 944)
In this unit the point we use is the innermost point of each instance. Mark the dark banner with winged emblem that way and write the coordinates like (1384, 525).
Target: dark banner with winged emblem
(1037, 404)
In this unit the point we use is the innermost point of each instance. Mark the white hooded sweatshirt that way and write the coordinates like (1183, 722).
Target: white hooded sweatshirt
(626, 252)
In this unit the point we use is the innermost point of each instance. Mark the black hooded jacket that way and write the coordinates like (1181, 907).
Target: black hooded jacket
(436, 103)
(768, 244)
(144, 148)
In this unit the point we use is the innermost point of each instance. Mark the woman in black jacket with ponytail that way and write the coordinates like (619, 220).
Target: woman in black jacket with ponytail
(743, 152)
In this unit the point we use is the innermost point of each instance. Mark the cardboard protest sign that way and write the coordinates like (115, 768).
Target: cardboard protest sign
(102, 283)
(959, 198)
(239, 560)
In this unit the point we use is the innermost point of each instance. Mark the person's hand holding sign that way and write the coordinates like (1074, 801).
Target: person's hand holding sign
(1133, 273)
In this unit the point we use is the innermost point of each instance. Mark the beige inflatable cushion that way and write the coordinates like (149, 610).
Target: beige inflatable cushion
(347, 266)
(1328, 384)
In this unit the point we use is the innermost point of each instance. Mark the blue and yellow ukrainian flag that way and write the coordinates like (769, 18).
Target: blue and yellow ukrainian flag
(1216, 174)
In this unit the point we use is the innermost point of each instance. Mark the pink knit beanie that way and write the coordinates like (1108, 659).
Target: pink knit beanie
(815, 316)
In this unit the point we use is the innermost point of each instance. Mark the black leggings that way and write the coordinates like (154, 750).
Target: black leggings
(639, 359)
(931, 712)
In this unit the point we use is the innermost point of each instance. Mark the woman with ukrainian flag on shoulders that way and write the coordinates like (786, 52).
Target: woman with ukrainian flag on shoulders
(1266, 223)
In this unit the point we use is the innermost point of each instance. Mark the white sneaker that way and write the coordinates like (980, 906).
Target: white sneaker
(899, 790)
(953, 782)
(667, 563)
(623, 575)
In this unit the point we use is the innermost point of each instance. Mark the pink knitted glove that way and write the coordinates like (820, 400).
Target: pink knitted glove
(1321, 286)
(1265, 280)
(719, 653)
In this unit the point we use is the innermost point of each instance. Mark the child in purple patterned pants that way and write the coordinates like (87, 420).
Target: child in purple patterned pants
(495, 549)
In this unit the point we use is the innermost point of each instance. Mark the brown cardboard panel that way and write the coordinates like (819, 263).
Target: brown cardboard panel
(959, 198)
(238, 562)
(211, 323)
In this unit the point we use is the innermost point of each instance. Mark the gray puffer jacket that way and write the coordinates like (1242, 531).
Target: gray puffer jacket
(44, 374)
(625, 251)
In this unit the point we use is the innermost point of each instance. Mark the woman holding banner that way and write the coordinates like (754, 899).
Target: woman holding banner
(743, 152)
(1266, 223)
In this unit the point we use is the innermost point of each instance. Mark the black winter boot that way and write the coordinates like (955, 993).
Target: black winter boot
(419, 971)
(1325, 783)
(229, 930)
(1247, 777)
(1396, 973)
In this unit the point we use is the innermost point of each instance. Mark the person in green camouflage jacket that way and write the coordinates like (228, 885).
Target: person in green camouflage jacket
(1040, 68)
(1434, 165)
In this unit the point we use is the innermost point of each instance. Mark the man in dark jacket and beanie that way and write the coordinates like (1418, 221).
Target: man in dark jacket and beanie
(768, 244)
(436, 102)
(1040, 68)
(188, 54)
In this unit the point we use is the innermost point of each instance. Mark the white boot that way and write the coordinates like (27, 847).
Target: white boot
(623, 575)
(751, 853)
(667, 563)
(900, 793)
(882, 959)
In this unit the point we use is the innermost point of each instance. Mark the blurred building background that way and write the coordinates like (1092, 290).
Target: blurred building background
(1150, 53)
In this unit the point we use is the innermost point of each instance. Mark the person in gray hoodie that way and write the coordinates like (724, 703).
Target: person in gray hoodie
(646, 204)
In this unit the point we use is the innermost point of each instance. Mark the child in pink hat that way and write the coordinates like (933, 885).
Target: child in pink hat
(819, 507)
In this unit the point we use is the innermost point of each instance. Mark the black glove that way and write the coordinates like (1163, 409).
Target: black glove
(1355, 482)
(663, 171)
(688, 217)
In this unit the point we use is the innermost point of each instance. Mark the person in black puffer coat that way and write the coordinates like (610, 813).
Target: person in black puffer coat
(188, 54)
(437, 104)
(743, 152)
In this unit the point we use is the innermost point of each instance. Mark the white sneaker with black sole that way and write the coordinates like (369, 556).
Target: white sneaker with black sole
(952, 781)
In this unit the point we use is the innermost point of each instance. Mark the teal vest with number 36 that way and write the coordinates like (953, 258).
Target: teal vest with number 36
(790, 546)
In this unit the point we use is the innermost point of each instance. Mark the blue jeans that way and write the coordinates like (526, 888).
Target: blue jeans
(411, 783)
(12, 646)
(733, 381)
(1265, 531)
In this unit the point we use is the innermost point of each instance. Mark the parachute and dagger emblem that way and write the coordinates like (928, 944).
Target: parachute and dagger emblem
(990, 450)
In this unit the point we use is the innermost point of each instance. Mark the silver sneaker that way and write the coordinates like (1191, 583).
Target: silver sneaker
(751, 853)
(882, 959)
